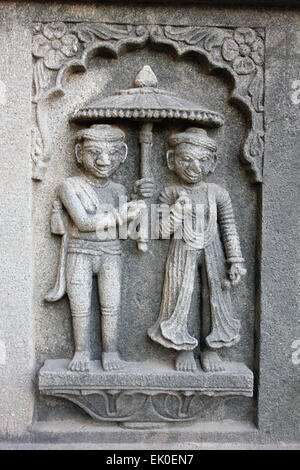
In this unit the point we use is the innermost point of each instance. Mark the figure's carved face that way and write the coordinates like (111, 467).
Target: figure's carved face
(193, 162)
(101, 158)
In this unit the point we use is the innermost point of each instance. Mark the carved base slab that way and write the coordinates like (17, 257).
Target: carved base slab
(142, 392)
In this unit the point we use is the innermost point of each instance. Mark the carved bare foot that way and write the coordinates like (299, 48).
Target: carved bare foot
(112, 361)
(185, 362)
(211, 362)
(80, 361)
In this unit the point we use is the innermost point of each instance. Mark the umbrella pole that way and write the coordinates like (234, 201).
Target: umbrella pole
(145, 139)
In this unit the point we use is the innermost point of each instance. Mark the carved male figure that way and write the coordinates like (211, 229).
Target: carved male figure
(93, 247)
(192, 157)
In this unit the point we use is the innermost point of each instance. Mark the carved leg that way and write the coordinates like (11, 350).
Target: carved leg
(79, 288)
(209, 358)
(109, 287)
(110, 356)
(81, 358)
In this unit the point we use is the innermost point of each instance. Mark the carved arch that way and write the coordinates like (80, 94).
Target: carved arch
(59, 48)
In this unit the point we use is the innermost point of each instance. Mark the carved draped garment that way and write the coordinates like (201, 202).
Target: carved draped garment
(171, 327)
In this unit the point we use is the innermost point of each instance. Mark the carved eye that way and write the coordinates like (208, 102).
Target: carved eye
(93, 154)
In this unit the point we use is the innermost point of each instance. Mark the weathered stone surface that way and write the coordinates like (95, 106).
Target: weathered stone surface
(258, 157)
(142, 392)
(16, 241)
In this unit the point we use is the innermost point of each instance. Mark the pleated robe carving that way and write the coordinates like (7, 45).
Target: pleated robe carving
(171, 327)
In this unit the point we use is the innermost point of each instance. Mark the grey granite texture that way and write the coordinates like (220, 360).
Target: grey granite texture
(16, 244)
(150, 375)
(144, 392)
(267, 305)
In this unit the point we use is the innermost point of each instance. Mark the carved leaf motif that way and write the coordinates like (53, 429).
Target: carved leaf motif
(212, 40)
(256, 145)
(255, 90)
(88, 33)
(260, 33)
(36, 145)
(174, 405)
(40, 77)
(189, 35)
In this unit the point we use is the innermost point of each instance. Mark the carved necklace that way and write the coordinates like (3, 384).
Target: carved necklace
(95, 184)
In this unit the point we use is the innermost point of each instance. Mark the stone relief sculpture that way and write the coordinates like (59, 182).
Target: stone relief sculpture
(89, 216)
(91, 201)
(192, 157)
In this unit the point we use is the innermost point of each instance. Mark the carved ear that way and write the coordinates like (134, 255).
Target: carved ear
(125, 153)
(170, 160)
(213, 162)
(78, 153)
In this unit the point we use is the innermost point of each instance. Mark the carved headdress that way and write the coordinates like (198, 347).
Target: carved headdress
(193, 135)
(101, 132)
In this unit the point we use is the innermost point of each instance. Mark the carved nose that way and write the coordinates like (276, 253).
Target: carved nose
(103, 160)
(196, 166)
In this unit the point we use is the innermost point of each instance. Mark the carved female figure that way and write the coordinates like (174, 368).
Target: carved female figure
(192, 156)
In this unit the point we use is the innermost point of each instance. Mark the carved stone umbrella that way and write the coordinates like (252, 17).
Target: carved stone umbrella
(148, 104)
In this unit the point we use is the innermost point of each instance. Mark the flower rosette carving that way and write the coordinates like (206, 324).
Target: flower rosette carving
(52, 47)
(245, 51)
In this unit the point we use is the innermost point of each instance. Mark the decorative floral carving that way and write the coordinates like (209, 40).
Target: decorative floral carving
(173, 406)
(211, 37)
(88, 33)
(132, 405)
(245, 51)
(54, 45)
(168, 406)
(256, 145)
(255, 90)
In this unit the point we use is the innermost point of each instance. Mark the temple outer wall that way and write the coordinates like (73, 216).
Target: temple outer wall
(17, 329)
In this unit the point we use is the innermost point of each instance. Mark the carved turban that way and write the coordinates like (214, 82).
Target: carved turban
(193, 135)
(101, 132)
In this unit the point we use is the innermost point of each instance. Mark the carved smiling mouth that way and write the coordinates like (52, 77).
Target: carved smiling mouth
(102, 170)
(192, 174)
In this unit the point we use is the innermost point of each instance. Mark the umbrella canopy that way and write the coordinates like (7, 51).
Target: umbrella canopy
(146, 102)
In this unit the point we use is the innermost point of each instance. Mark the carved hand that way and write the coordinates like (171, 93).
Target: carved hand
(132, 210)
(143, 188)
(183, 203)
(236, 272)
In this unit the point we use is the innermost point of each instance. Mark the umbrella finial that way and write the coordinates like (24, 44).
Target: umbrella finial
(145, 78)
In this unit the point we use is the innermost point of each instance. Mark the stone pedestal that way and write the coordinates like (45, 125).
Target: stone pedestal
(142, 392)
